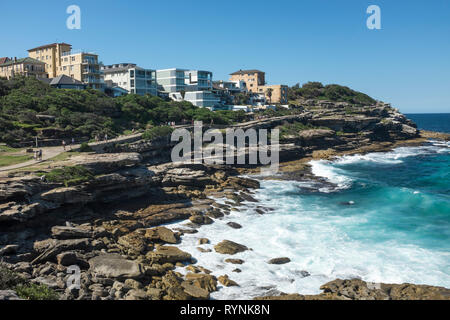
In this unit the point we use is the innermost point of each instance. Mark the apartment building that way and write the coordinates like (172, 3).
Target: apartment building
(275, 93)
(28, 67)
(51, 55)
(204, 99)
(59, 60)
(252, 78)
(82, 66)
(130, 77)
(177, 80)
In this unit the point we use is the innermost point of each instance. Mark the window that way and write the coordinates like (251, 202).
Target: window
(132, 83)
(64, 68)
(73, 58)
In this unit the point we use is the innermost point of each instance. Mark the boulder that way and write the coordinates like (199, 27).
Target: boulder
(9, 249)
(229, 247)
(136, 294)
(200, 219)
(205, 281)
(115, 266)
(58, 246)
(234, 225)
(195, 291)
(161, 234)
(64, 233)
(283, 260)
(165, 254)
(234, 261)
(227, 282)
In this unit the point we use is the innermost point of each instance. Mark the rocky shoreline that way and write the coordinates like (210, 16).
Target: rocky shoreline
(112, 226)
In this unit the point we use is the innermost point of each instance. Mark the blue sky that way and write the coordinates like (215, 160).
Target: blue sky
(406, 63)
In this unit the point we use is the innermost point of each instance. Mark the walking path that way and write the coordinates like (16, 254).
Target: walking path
(51, 152)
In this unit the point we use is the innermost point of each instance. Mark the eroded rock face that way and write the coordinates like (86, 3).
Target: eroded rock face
(8, 295)
(356, 289)
(165, 254)
(115, 266)
(229, 247)
(64, 232)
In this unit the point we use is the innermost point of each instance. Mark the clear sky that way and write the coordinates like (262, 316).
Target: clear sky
(406, 63)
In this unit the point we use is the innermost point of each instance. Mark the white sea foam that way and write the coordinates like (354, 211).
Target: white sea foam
(315, 242)
(315, 238)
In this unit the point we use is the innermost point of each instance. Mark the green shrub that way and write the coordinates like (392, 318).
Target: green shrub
(9, 279)
(157, 132)
(36, 292)
(69, 175)
(85, 147)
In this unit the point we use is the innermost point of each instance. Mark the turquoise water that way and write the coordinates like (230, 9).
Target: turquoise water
(382, 217)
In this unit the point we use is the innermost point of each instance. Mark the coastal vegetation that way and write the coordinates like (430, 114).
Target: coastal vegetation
(332, 92)
(69, 176)
(10, 280)
(30, 108)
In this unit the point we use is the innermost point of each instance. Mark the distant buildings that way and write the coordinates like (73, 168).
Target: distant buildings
(130, 77)
(28, 67)
(64, 82)
(59, 60)
(194, 86)
(178, 80)
(253, 78)
(51, 55)
(60, 67)
(256, 83)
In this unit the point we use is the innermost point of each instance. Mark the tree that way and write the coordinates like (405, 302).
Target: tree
(269, 94)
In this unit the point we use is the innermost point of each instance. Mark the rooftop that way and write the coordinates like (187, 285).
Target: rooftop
(63, 79)
(246, 71)
(50, 45)
(22, 60)
(3, 60)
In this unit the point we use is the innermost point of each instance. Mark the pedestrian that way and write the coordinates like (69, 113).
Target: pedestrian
(64, 144)
(40, 154)
(106, 137)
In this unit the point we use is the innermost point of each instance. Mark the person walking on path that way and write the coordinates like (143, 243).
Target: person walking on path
(64, 144)
(40, 154)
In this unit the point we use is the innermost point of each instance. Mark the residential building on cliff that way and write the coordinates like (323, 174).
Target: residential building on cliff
(253, 78)
(130, 77)
(28, 67)
(82, 66)
(51, 55)
(256, 83)
(194, 86)
(59, 60)
(177, 80)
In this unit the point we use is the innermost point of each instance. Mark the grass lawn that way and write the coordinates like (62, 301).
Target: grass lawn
(8, 160)
(4, 148)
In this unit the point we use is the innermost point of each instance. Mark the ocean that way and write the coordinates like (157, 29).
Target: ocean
(385, 218)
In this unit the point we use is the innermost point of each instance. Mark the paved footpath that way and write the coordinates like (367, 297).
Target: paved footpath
(51, 152)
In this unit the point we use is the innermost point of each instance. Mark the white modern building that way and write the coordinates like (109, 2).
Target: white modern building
(177, 80)
(194, 86)
(130, 77)
(205, 99)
